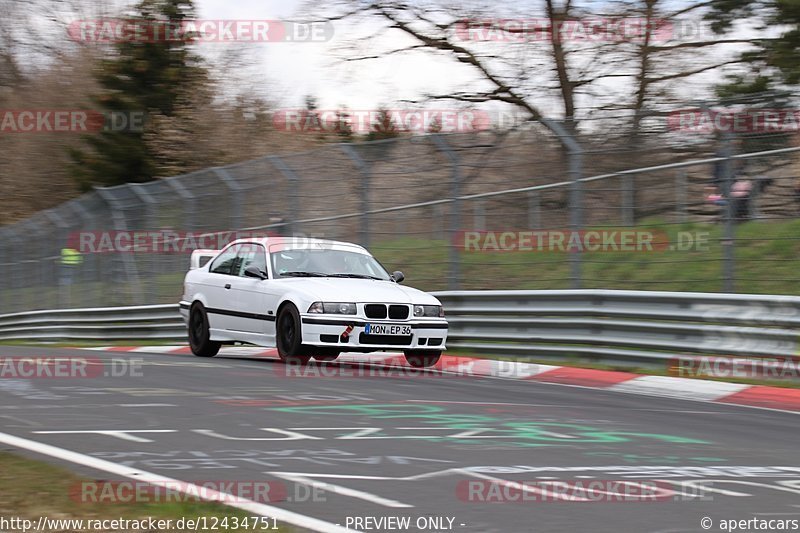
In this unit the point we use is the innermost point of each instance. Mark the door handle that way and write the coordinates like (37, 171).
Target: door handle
(227, 285)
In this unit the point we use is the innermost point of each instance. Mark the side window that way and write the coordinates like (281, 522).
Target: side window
(251, 254)
(226, 262)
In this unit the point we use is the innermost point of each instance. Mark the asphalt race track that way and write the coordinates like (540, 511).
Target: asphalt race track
(339, 447)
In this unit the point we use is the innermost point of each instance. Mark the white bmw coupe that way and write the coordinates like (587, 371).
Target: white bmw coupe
(309, 298)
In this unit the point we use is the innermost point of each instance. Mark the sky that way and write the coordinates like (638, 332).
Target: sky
(290, 71)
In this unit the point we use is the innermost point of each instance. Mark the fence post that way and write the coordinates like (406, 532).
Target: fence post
(454, 280)
(128, 264)
(628, 201)
(149, 202)
(294, 192)
(59, 222)
(8, 268)
(91, 265)
(189, 199)
(534, 210)
(235, 189)
(479, 215)
(575, 154)
(729, 231)
(681, 196)
(364, 170)
(16, 278)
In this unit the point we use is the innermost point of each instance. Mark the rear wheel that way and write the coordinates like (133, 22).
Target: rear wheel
(289, 336)
(422, 359)
(199, 336)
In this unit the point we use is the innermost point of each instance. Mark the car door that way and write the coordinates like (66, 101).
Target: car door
(255, 299)
(218, 291)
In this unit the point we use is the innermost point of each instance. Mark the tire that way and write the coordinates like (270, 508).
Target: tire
(199, 335)
(422, 358)
(326, 355)
(289, 337)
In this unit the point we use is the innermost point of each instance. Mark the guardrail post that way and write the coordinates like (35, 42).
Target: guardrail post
(294, 191)
(364, 170)
(454, 278)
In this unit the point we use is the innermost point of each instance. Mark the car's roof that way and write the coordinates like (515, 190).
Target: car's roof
(298, 242)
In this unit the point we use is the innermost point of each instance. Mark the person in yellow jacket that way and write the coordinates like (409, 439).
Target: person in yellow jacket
(71, 259)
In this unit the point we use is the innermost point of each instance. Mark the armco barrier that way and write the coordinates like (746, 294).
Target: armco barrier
(640, 327)
(102, 323)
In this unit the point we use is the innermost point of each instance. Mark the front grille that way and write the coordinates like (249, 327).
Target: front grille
(375, 310)
(435, 342)
(329, 338)
(398, 312)
(391, 340)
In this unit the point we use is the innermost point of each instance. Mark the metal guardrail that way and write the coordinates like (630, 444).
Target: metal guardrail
(162, 322)
(640, 327)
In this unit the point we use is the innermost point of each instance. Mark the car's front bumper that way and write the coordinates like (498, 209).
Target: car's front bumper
(349, 334)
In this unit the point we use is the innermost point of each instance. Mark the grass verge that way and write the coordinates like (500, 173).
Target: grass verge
(30, 489)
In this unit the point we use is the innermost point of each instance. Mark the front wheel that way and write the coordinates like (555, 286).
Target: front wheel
(199, 336)
(422, 358)
(290, 337)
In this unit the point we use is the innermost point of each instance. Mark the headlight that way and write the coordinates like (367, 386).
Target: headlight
(429, 310)
(329, 308)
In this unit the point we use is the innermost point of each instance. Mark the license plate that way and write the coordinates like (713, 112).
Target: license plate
(387, 329)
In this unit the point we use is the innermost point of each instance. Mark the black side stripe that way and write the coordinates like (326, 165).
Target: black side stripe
(240, 314)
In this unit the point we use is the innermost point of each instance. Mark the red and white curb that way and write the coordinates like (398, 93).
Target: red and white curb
(776, 398)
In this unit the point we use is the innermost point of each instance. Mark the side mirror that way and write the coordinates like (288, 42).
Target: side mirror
(398, 276)
(253, 272)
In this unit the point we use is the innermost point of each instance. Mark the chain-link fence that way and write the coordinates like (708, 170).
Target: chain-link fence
(489, 210)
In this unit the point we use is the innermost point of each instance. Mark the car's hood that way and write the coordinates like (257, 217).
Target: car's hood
(357, 290)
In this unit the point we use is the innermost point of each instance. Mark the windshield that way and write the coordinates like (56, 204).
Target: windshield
(326, 262)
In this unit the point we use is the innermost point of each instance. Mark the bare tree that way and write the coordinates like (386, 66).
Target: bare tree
(532, 63)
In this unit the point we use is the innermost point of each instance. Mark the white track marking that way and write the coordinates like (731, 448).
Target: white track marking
(282, 515)
(146, 405)
(344, 491)
(124, 434)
